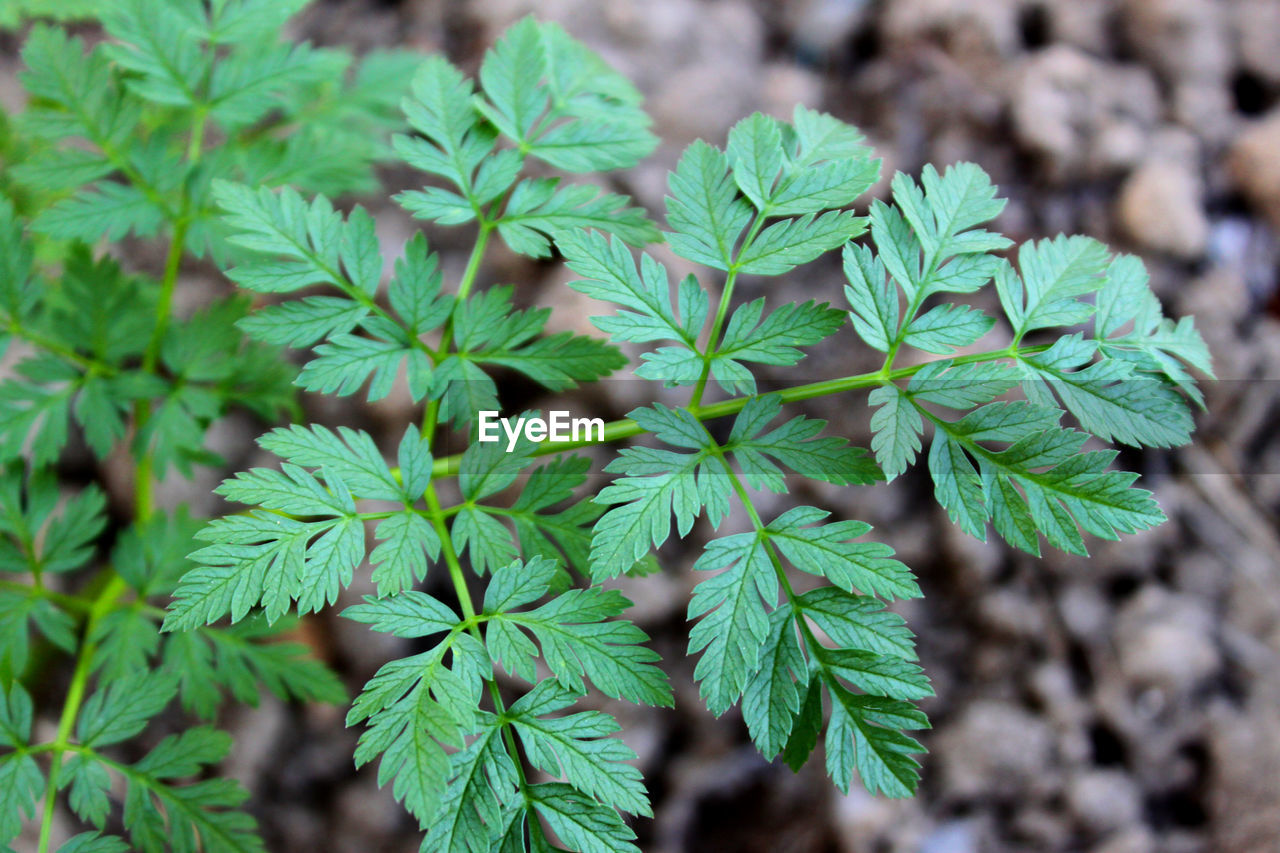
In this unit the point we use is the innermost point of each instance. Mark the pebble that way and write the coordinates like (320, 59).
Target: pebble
(1255, 27)
(1255, 166)
(858, 815)
(1104, 800)
(971, 29)
(819, 27)
(1136, 839)
(1165, 640)
(957, 836)
(1186, 40)
(994, 746)
(1084, 117)
(1161, 207)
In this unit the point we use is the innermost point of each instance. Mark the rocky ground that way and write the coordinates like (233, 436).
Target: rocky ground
(1127, 703)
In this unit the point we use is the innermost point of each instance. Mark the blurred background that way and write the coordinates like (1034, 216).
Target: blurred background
(1125, 703)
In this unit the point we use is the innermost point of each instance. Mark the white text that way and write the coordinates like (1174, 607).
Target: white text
(558, 426)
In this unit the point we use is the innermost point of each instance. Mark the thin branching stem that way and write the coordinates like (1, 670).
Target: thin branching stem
(49, 345)
(722, 311)
(775, 559)
(144, 507)
(615, 431)
(438, 514)
(458, 577)
(432, 414)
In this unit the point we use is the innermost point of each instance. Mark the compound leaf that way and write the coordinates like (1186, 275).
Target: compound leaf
(735, 621)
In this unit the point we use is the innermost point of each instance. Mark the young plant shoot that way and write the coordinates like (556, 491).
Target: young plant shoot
(195, 128)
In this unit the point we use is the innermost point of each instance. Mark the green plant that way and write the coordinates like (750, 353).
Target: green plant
(124, 140)
(455, 734)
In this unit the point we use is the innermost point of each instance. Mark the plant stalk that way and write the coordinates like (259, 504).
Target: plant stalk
(459, 580)
(722, 311)
(144, 507)
(614, 431)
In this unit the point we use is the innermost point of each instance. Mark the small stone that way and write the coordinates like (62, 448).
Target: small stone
(1054, 690)
(859, 816)
(1081, 23)
(1245, 757)
(1011, 612)
(1255, 166)
(956, 836)
(363, 811)
(1184, 39)
(701, 101)
(1166, 641)
(1161, 207)
(1083, 116)
(1084, 610)
(1256, 28)
(820, 26)
(1135, 839)
(711, 82)
(784, 85)
(1041, 828)
(972, 29)
(977, 563)
(994, 747)
(654, 598)
(1104, 800)
(1208, 108)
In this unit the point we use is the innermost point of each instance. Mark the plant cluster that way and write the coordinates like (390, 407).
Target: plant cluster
(195, 124)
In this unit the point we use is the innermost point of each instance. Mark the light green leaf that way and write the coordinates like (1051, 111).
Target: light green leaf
(704, 209)
(771, 699)
(946, 327)
(827, 550)
(580, 748)
(795, 444)
(783, 246)
(896, 428)
(735, 620)
(1054, 275)
(580, 821)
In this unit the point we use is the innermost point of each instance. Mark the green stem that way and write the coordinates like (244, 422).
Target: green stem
(164, 305)
(66, 602)
(722, 311)
(432, 414)
(436, 513)
(51, 346)
(931, 261)
(144, 506)
(81, 605)
(102, 605)
(797, 610)
(458, 577)
(144, 498)
(614, 431)
(912, 308)
(473, 267)
(195, 147)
